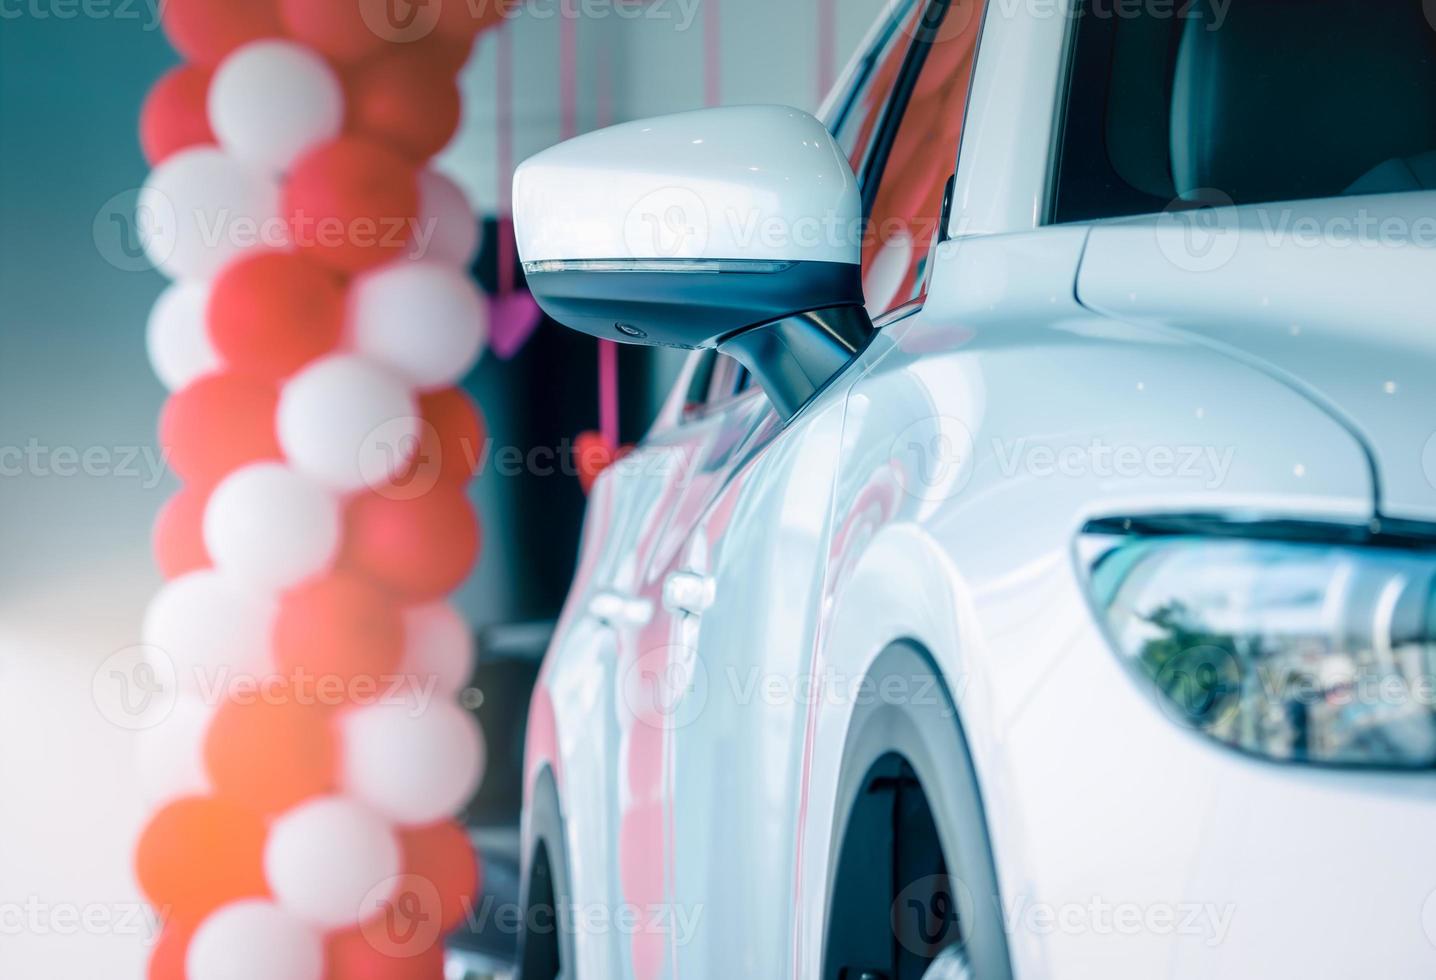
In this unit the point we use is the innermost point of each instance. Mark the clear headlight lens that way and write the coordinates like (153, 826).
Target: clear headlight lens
(1298, 651)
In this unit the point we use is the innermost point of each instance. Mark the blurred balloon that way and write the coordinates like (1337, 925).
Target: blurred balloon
(272, 313)
(339, 626)
(271, 527)
(178, 536)
(174, 115)
(273, 748)
(176, 338)
(412, 763)
(254, 940)
(197, 854)
(210, 627)
(438, 647)
(217, 424)
(331, 862)
(204, 31)
(200, 209)
(272, 101)
(425, 320)
(447, 218)
(334, 27)
(405, 100)
(443, 855)
(422, 547)
(348, 423)
(352, 203)
(352, 955)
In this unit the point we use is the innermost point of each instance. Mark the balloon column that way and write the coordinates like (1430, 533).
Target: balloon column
(320, 316)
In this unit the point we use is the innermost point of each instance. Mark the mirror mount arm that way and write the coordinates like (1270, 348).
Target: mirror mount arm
(796, 357)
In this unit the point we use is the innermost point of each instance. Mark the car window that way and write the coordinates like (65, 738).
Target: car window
(863, 112)
(905, 215)
(1255, 102)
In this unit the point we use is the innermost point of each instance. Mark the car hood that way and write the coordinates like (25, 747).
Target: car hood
(1336, 298)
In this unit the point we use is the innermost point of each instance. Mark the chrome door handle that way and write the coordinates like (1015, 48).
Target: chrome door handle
(620, 610)
(688, 592)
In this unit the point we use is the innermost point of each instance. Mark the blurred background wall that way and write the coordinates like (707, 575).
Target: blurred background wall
(80, 475)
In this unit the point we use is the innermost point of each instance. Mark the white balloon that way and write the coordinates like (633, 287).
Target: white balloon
(348, 422)
(425, 320)
(271, 101)
(169, 758)
(177, 337)
(252, 939)
(210, 627)
(413, 764)
(270, 527)
(448, 226)
(201, 208)
(438, 647)
(331, 862)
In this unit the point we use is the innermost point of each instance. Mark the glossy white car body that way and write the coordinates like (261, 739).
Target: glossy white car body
(738, 576)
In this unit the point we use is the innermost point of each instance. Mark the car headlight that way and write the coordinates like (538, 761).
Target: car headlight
(1319, 651)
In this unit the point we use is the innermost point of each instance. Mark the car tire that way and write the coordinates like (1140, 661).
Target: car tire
(919, 736)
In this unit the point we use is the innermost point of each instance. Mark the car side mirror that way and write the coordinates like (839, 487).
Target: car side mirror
(735, 228)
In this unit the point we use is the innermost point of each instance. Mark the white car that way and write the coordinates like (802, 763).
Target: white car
(1058, 599)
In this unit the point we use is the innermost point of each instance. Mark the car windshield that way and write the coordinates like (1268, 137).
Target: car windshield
(1175, 102)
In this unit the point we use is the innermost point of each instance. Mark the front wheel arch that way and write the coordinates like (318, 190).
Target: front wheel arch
(916, 741)
(546, 947)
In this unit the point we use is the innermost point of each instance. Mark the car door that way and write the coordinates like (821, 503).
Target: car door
(722, 679)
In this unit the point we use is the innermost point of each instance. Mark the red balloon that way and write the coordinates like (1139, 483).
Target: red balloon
(218, 424)
(443, 855)
(199, 853)
(452, 444)
(179, 533)
(352, 203)
(167, 958)
(350, 955)
(421, 547)
(405, 100)
(271, 314)
(339, 626)
(272, 748)
(450, 54)
(461, 19)
(204, 31)
(336, 28)
(175, 115)
(592, 455)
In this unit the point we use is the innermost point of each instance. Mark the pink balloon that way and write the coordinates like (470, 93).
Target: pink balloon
(252, 939)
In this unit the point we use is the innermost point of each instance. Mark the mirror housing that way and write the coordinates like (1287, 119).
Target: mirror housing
(736, 228)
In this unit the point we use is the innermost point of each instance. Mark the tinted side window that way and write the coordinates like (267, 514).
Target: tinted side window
(1249, 102)
(906, 210)
(876, 79)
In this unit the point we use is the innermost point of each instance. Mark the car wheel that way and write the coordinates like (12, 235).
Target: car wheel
(912, 890)
(546, 943)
